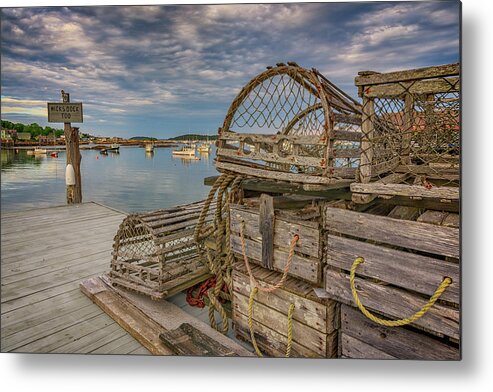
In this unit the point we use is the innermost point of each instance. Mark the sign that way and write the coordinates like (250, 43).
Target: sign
(65, 112)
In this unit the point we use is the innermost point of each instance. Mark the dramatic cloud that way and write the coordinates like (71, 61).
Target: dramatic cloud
(165, 70)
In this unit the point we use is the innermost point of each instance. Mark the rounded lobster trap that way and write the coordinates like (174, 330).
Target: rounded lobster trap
(155, 253)
(291, 124)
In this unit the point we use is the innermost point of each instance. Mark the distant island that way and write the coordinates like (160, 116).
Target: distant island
(145, 138)
(194, 136)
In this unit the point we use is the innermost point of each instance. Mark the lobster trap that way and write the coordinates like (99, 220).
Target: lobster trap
(155, 253)
(411, 134)
(291, 124)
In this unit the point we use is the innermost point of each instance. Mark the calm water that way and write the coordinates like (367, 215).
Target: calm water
(132, 180)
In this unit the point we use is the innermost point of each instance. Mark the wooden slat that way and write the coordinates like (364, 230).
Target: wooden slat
(305, 268)
(403, 269)
(188, 340)
(411, 74)
(412, 235)
(314, 314)
(354, 348)
(284, 230)
(277, 321)
(432, 86)
(432, 217)
(266, 229)
(145, 330)
(448, 193)
(277, 175)
(393, 303)
(394, 342)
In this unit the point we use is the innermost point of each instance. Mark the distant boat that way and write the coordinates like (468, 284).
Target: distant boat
(39, 151)
(149, 147)
(187, 150)
(54, 154)
(113, 148)
(204, 148)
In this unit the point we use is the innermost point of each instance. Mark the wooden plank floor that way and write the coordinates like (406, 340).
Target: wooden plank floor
(45, 253)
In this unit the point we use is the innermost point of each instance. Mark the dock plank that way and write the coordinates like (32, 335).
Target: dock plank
(45, 254)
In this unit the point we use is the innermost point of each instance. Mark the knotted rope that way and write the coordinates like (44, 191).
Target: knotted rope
(257, 288)
(394, 323)
(219, 261)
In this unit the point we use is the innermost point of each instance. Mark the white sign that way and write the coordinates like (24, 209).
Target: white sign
(65, 112)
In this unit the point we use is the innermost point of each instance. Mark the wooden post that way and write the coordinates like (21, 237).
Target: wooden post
(367, 129)
(74, 192)
(266, 225)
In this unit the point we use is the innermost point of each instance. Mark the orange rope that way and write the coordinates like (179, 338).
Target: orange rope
(281, 282)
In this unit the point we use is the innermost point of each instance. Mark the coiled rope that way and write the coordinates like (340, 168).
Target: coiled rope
(220, 260)
(257, 288)
(394, 323)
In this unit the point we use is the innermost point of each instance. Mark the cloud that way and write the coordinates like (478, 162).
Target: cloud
(171, 68)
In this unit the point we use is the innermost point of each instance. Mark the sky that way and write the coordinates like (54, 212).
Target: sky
(162, 71)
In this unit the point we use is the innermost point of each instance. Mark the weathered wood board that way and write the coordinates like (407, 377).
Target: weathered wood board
(306, 262)
(146, 319)
(315, 321)
(404, 264)
(361, 338)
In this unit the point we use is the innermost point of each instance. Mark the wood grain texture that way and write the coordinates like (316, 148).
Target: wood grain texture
(414, 272)
(411, 235)
(384, 343)
(393, 303)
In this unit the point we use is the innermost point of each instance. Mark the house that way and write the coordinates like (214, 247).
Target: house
(23, 136)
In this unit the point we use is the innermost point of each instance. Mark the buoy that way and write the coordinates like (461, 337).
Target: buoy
(69, 175)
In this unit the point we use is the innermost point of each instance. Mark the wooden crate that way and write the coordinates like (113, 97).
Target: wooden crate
(405, 262)
(282, 226)
(315, 321)
(363, 339)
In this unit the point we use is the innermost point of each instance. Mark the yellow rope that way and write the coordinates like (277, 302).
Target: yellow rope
(395, 323)
(250, 325)
(250, 322)
(290, 330)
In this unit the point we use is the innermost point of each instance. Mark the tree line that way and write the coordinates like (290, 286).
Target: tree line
(35, 129)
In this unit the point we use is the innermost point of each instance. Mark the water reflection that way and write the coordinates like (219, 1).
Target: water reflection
(130, 181)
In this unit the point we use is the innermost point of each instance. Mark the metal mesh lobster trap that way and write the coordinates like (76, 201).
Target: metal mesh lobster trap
(155, 253)
(411, 134)
(290, 123)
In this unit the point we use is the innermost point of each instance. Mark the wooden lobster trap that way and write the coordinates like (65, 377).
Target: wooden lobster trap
(402, 274)
(291, 124)
(411, 134)
(155, 253)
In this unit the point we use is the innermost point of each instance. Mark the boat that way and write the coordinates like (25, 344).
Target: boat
(204, 148)
(54, 154)
(186, 150)
(115, 148)
(149, 147)
(39, 151)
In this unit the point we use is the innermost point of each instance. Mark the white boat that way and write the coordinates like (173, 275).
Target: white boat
(114, 147)
(149, 147)
(39, 151)
(188, 150)
(204, 148)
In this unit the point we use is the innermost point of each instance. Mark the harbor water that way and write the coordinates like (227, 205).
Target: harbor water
(131, 180)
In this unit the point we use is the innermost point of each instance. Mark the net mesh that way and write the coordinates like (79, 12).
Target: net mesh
(415, 131)
(291, 101)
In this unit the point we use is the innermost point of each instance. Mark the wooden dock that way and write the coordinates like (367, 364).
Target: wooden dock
(45, 254)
